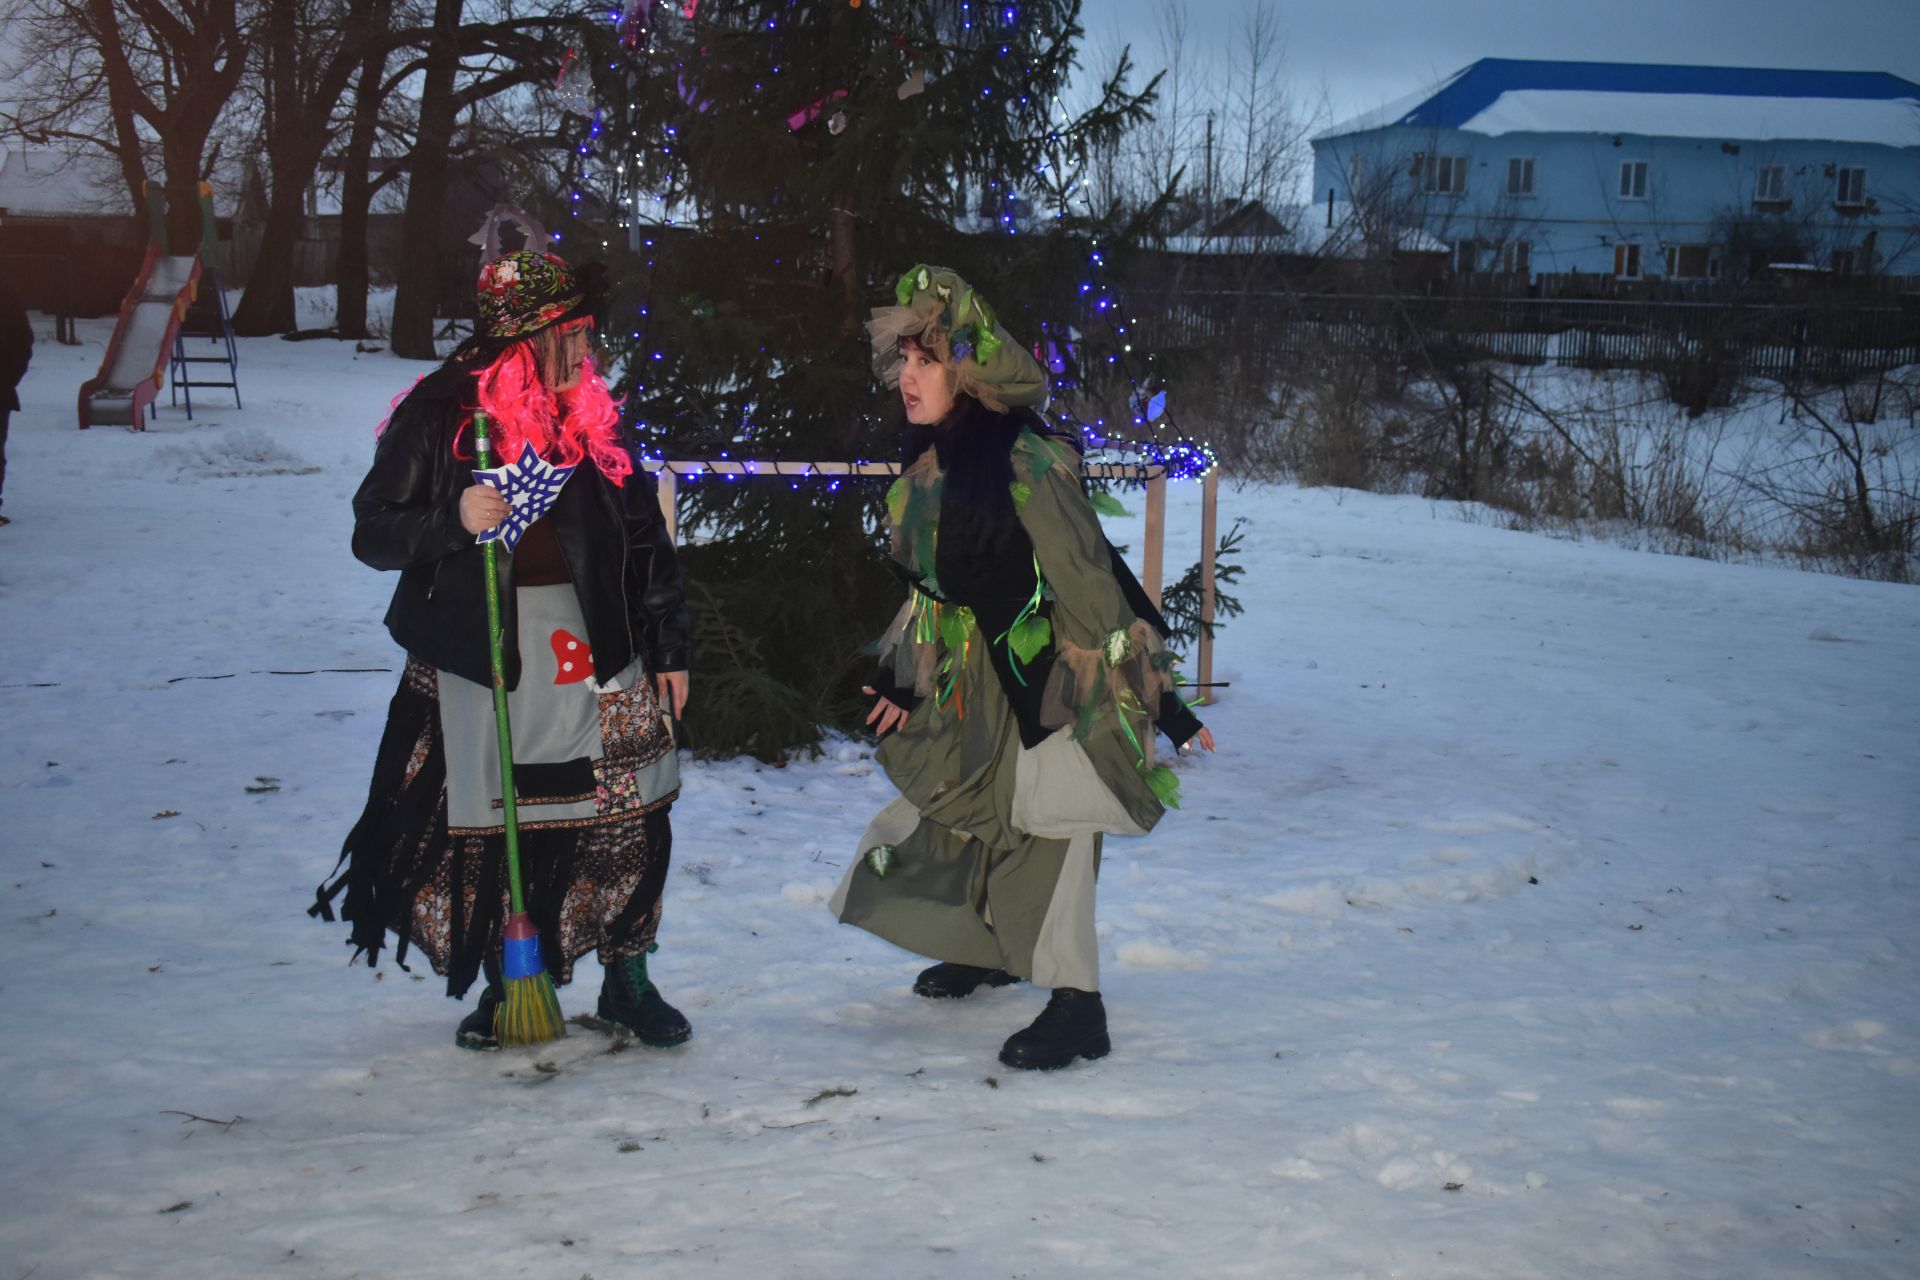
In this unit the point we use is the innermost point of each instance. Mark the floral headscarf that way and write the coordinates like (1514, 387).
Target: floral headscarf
(524, 292)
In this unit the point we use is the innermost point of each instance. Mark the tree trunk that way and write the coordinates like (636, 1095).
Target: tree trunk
(356, 195)
(299, 127)
(843, 259)
(182, 152)
(267, 306)
(418, 285)
(121, 94)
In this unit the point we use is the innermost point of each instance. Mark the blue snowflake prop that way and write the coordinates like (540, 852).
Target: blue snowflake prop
(530, 486)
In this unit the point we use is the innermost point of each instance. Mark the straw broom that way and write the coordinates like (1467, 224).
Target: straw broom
(530, 1014)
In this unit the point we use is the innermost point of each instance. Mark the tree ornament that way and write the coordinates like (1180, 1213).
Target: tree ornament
(574, 85)
(635, 22)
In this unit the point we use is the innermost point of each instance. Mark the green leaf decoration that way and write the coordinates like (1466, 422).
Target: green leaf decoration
(903, 292)
(1165, 785)
(880, 860)
(1084, 717)
(1108, 505)
(955, 626)
(897, 500)
(988, 346)
(925, 547)
(1029, 636)
(1040, 457)
(1021, 492)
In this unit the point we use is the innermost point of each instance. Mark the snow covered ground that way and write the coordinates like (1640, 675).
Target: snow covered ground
(1549, 911)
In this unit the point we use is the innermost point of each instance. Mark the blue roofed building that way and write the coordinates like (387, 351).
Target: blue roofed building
(1631, 171)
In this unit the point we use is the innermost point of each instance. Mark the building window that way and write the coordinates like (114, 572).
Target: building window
(1466, 257)
(1850, 188)
(1771, 187)
(1633, 179)
(1516, 259)
(1845, 262)
(1446, 175)
(1356, 171)
(1691, 262)
(1626, 260)
(1520, 176)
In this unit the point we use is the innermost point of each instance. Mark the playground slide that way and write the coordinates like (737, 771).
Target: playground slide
(135, 366)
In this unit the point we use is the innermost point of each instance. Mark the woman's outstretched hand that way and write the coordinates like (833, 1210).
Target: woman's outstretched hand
(1204, 738)
(886, 716)
(481, 508)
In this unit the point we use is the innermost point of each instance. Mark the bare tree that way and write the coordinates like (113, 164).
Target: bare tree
(465, 67)
(168, 70)
(311, 49)
(65, 98)
(357, 187)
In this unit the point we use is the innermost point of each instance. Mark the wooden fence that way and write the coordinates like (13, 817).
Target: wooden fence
(1827, 340)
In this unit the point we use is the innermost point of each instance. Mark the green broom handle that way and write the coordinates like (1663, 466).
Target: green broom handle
(483, 454)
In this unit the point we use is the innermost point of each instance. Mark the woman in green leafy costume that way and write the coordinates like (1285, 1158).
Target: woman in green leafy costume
(1019, 688)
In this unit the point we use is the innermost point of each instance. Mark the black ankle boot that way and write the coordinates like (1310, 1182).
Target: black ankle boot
(1073, 1025)
(628, 997)
(947, 980)
(476, 1029)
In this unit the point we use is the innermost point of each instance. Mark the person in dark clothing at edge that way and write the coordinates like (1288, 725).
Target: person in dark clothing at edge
(1018, 687)
(597, 650)
(16, 351)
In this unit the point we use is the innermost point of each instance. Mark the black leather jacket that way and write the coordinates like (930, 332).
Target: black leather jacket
(406, 516)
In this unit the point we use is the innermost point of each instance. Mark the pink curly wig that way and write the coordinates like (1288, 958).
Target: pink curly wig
(564, 428)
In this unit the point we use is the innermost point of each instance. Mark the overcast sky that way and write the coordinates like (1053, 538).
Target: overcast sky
(1359, 54)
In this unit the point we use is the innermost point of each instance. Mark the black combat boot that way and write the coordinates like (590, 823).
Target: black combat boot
(476, 1029)
(947, 980)
(1073, 1025)
(628, 997)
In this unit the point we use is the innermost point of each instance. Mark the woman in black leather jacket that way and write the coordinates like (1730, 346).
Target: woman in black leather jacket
(596, 644)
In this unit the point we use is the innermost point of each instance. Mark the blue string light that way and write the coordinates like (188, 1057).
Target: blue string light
(1181, 456)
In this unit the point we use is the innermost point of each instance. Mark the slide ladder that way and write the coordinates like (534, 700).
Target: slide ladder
(207, 319)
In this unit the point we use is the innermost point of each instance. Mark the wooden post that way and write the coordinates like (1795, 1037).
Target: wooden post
(669, 503)
(1209, 523)
(1153, 554)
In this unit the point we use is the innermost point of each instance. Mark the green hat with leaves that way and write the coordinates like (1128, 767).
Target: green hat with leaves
(944, 314)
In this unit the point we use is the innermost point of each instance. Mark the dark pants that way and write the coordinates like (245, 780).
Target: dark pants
(5, 415)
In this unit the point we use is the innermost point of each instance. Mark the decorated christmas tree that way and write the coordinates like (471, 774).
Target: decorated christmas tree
(758, 174)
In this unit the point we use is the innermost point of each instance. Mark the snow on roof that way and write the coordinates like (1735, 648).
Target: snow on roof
(1684, 115)
(329, 185)
(1344, 234)
(1394, 112)
(1307, 232)
(41, 182)
(1500, 95)
(45, 182)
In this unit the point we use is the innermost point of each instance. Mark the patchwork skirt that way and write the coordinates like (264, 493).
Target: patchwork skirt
(595, 773)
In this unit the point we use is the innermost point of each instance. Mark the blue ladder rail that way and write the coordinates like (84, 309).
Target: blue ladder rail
(216, 326)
